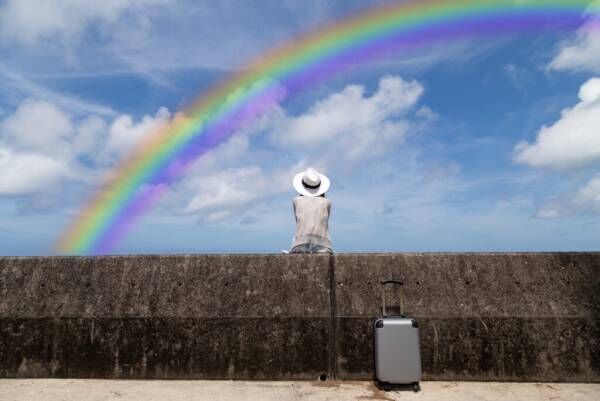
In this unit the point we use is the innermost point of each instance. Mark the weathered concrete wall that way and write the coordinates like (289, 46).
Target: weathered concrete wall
(520, 317)
(533, 317)
(251, 317)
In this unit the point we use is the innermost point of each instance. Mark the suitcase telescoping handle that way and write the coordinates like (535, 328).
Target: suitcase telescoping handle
(383, 284)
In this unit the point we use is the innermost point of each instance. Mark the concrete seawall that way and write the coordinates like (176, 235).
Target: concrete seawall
(521, 317)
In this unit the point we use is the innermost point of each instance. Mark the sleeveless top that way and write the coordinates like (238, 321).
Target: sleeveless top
(312, 221)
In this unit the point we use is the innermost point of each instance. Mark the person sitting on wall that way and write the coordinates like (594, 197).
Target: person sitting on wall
(311, 210)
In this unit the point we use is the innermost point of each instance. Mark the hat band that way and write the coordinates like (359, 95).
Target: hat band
(311, 186)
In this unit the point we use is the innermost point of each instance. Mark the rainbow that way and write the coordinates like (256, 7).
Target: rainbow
(273, 77)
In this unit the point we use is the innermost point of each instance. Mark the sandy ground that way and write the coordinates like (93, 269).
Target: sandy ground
(101, 390)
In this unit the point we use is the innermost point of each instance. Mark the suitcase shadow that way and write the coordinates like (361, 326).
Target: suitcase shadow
(410, 387)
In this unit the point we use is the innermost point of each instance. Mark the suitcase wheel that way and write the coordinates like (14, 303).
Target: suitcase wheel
(385, 386)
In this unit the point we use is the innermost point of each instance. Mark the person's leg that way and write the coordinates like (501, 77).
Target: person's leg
(304, 248)
(322, 249)
(310, 248)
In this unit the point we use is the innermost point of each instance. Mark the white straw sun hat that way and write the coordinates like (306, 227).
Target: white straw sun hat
(311, 183)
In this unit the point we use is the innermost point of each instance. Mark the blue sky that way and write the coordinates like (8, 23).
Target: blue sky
(486, 144)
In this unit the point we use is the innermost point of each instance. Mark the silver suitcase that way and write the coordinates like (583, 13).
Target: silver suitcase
(397, 347)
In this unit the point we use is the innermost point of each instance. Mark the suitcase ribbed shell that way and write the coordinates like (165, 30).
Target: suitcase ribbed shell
(397, 350)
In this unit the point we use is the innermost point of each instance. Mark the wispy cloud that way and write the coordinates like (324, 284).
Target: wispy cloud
(62, 20)
(584, 200)
(22, 87)
(141, 38)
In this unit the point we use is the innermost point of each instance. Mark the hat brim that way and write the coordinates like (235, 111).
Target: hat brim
(318, 191)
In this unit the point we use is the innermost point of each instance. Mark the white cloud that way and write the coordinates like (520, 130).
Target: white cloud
(572, 141)
(223, 193)
(239, 177)
(66, 20)
(236, 148)
(40, 126)
(91, 131)
(334, 134)
(582, 53)
(218, 194)
(588, 197)
(590, 91)
(586, 200)
(351, 126)
(42, 147)
(24, 173)
(427, 114)
(35, 149)
(125, 133)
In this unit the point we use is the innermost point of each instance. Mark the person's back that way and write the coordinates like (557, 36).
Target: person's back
(311, 210)
(312, 221)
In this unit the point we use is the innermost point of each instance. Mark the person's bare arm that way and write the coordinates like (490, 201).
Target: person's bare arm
(294, 206)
